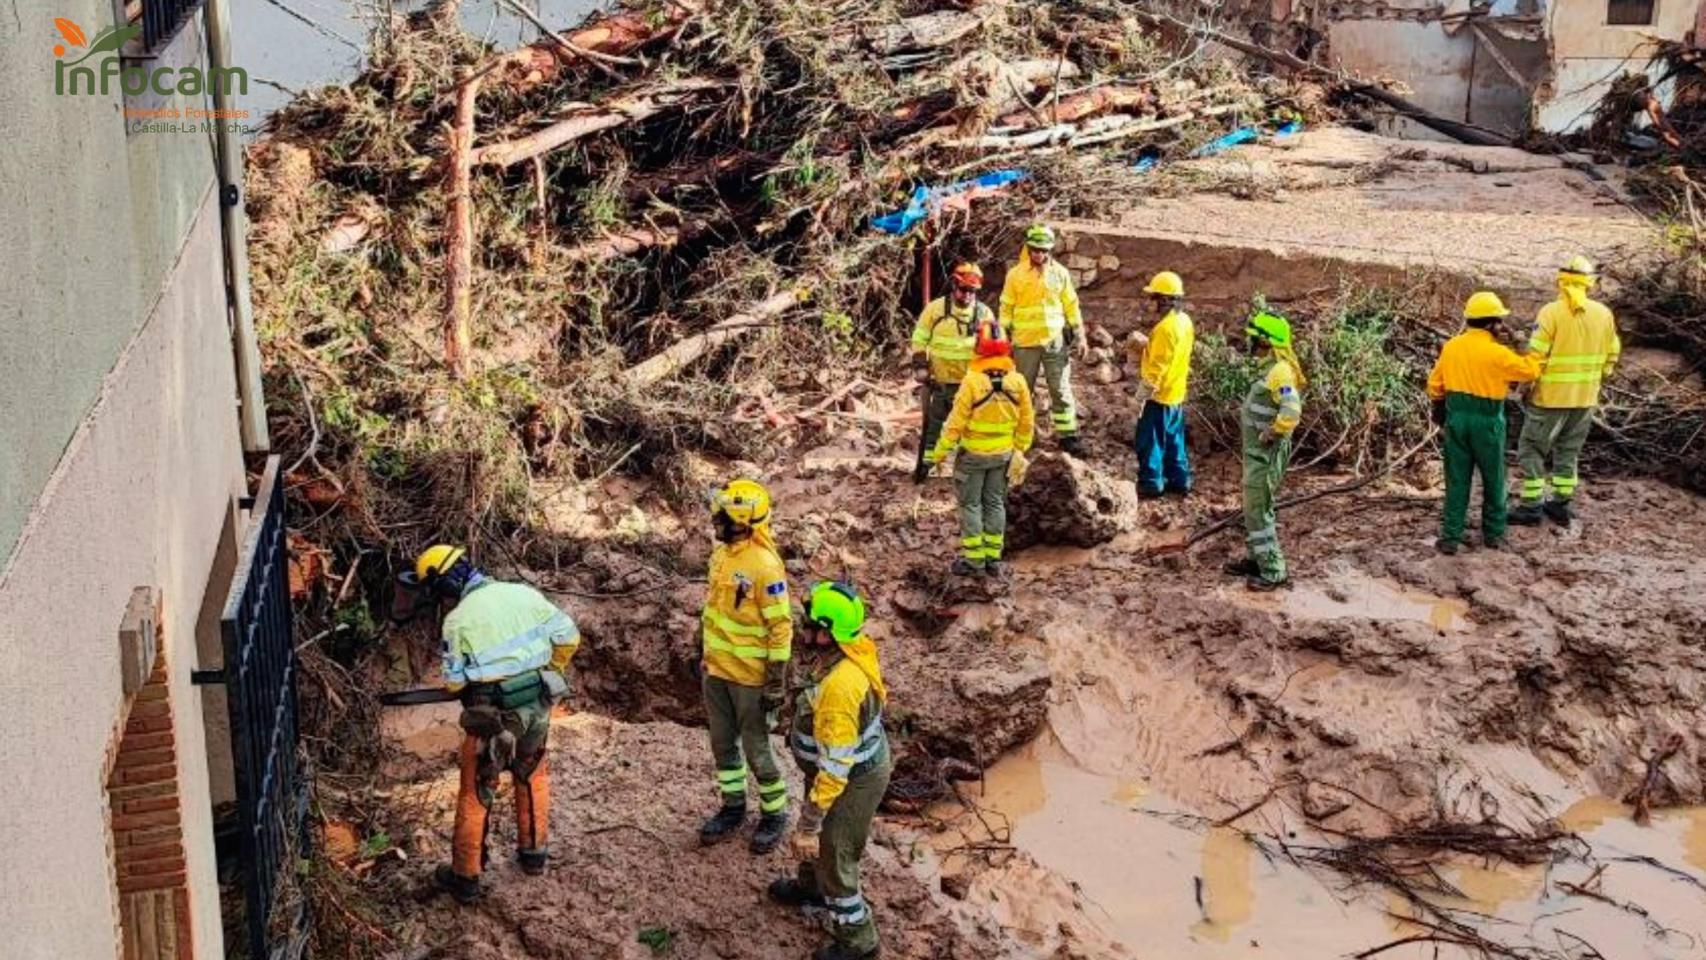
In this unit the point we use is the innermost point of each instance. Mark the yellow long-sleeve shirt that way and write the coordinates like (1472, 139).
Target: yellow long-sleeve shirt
(947, 334)
(1475, 363)
(1167, 359)
(1275, 402)
(843, 713)
(1577, 350)
(986, 421)
(747, 622)
(1036, 305)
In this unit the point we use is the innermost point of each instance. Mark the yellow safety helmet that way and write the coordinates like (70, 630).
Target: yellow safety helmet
(435, 561)
(1485, 305)
(744, 502)
(1166, 284)
(1580, 266)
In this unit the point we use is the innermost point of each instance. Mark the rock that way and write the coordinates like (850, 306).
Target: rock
(1078, 262)
(1066, 501)
(957, 885)
(1087, 278)
(994, 708)
(1106, 373)
(1322, 803)
(1101, 337)
(1108, 261)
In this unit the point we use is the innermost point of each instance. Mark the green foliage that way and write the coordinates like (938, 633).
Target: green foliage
(658, 939)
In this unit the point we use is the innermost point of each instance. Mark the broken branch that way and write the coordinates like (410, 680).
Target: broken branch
(672, 361)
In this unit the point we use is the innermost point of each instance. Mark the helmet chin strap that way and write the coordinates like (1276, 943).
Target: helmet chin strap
(728, 531)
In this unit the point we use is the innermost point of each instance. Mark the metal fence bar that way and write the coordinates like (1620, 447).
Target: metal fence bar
(161, 19)
(261, 679)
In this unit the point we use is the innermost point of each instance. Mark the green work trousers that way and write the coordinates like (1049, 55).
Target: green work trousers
(1474, 443)
(1551, 437)
(938, 403)
(735, 716)
(834, 877)
(1264, 469)
(1055, 361)
(982, 483)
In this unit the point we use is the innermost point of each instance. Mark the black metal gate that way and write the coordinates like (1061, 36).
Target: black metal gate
(260, 677)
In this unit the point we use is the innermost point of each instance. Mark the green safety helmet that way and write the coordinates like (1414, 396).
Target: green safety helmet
(836, 607)
(1270, 327)
(1039, 237)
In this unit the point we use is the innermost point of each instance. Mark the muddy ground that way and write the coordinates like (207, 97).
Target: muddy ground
(1392, 686)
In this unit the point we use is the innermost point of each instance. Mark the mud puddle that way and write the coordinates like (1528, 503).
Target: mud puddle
(1154, 879)
(1352, 593)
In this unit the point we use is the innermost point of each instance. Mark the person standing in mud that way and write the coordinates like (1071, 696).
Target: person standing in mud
(506, 649)
(1039, 312)
(1575, 340)
(1468, 386)
(746, 630)
(942, 345)
(839, 741)
(1163, 462)
(1271, 411)
(992, 424)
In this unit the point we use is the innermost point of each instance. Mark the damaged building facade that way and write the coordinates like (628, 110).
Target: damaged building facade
(1511, 66)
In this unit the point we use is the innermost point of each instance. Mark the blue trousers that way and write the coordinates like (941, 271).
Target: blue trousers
(1163, 463)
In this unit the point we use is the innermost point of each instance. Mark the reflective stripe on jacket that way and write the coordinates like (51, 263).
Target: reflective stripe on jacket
(1036, 305)
(501, 630)
(1167, 359)
(844, 714)
(1274, 402)
(989, 421)
(746, 622)
(1475, 363)
(947, 335)
(1576, 350)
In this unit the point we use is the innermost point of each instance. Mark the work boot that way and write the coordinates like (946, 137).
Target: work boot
(1447, 547)
(464, 889)
(532, 861)
(1526, 514)
(1145, 494)
(1073, 445)
(790, 892)
(1264, 585)
(834, 950)
(1560, 512)
(921, 473)
(772, 827)
(996, 569)
(1242, 568)
(964, 568)
(1179, 493)
(1494, 543)
(718, 828)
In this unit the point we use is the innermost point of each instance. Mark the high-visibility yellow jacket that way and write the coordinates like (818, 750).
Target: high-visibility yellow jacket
(1475, 363)
(1167, 359)
(1275, 402)
(500, 630)
(746, 624)
(985, 420)
(838, 722)
(1577, 349)
(946, 334)
(1036, 305)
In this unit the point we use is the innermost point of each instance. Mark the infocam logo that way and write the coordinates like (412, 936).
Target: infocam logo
(80, 78)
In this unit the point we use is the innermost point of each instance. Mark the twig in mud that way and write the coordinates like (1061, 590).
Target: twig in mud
(1642, 798)
(1663, 867)
(1418, 938)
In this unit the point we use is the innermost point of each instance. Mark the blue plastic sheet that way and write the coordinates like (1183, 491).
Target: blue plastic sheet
(926, 200)
(1289, 129)
(1240, 136)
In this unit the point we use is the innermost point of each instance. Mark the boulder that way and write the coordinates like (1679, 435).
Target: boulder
(1067, 501)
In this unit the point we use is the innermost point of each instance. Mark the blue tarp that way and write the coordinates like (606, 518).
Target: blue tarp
(1152, 158)
(1240, 136)
(926, 199)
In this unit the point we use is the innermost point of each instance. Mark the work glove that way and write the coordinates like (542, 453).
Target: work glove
(1080, 341)
(1270, 437)
(1438, 412)
(932, 457)
(808, 833)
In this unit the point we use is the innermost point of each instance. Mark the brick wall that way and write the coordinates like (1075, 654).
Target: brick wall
(148, 848)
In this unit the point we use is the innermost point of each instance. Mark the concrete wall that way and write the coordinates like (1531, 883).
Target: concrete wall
(139, 498)
(91, 219)
(1588, 55)
(1450, 74)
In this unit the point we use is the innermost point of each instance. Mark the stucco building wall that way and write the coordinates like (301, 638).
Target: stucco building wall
(139, 499)
(1588, 54)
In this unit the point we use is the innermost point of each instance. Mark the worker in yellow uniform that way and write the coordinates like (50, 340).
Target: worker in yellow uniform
(506, 651)
(1575, 339)
(747, 631)
(1468, 386)
(1039, 311)
(992, 422)
(1163, 462)
(839, 741)
(942, 349)
(1270, 413)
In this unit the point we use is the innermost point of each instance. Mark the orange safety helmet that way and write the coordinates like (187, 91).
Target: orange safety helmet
(991, 341)
(969, 276)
